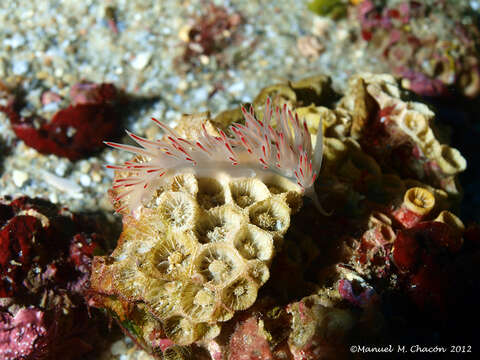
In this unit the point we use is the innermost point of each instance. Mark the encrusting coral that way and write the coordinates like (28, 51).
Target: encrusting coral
(197, 246)
(431, 45)
(399, 134)
(192, 263)
(203, 218)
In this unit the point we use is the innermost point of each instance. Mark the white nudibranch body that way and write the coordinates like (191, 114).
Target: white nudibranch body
(255, 150)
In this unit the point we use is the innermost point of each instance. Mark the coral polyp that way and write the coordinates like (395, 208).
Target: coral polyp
(190, 261)
(255, 149)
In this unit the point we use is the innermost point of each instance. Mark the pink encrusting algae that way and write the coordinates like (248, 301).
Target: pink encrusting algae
(255, 149)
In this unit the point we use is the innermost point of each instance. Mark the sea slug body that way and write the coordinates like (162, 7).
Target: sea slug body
(256, 149)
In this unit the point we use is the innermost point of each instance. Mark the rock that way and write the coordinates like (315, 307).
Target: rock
(20, 67)
(141, 60)
(19, 177)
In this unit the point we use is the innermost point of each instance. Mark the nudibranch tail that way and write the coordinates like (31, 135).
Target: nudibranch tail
(254, 148)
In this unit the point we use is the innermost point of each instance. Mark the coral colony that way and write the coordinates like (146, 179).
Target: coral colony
(206, 215)
(254, 150)
(428, 64)
(188, 264)
(221, 207)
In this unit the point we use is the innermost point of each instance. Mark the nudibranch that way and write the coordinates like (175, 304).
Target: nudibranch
(255, 149)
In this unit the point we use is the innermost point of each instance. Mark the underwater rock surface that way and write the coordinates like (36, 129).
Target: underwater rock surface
(360, 266)
(335, 279)
(196, 255)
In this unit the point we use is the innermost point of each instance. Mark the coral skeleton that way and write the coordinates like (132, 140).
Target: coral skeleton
(256, 149)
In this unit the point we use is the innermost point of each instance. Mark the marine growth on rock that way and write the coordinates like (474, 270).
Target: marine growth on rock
(203, 219)
(197, 246)
(45, 261)
(431, 45)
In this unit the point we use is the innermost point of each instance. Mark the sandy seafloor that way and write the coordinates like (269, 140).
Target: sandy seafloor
(51, 45)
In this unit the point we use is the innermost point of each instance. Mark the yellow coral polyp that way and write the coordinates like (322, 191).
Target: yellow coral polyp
(198, 302)
(176, 352)
(218, 263)
(219, 224)
(419, 200)
(254, 243)
(451, 161)
(185, 183)
(204, 297)
(240, 295)
(451, 220)
(415, 124)
(161, 296)
(210, 193)
(271, 215)
(279, 185)
(245, 192)
(180, 330)
(258, 271)
(170, 257)
(178, 209)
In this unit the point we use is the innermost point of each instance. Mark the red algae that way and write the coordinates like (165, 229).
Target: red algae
(249, 342)
(76, 131)
(22, 333)
(45, 262)
(16, 240)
